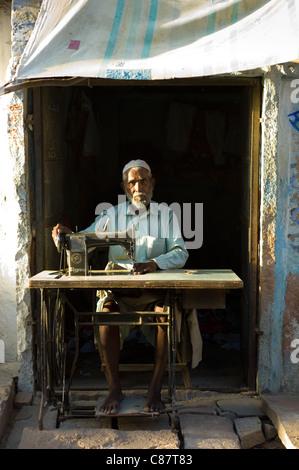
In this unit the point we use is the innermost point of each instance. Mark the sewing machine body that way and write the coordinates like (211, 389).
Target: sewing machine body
(78, 245)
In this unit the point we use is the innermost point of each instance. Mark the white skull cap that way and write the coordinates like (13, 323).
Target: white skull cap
(134, 163)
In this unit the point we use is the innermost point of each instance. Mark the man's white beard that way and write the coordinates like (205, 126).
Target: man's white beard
(143, 203)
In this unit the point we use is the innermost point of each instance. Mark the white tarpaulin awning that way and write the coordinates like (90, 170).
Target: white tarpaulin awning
(159, 39)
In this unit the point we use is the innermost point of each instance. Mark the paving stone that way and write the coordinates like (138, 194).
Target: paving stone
(208, 432)
(8, 371)
(88, 423)
(155, 423)
(6, 406)
(283, 411)
(269, 431)
(197, 405)
(242, 406)
(97, 439)
(273, 444)
(23, 399)
(27, 417)
(250, 432)
(227, 414)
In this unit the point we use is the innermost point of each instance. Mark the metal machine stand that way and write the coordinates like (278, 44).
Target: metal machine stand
(55, 385)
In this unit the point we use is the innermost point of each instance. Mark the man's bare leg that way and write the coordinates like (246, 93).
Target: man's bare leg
(154, 402)
(110, 346)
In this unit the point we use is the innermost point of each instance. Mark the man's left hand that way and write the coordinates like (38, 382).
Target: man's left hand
(148, 267)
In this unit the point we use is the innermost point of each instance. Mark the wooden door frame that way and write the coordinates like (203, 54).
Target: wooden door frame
(253, 238)
(254, 86)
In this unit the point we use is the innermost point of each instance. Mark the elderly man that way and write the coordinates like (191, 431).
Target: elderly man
(159, 245)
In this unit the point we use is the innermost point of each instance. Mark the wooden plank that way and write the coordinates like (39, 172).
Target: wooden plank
(105, 82)
(211, 298)
(174, 279)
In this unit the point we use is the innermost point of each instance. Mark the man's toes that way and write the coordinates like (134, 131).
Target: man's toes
(154, 408)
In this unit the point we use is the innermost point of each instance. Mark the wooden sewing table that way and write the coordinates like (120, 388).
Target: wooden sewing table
(197, 289)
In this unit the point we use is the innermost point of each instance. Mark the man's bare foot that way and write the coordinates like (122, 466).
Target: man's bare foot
(111, 405)
(154, 403)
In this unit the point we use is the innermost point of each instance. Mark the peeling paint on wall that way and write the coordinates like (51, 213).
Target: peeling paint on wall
(279, 237)
(291, 332)
(23, 18)
(8, 240)
(267, 368)
(280, 371)
(291, 312)
(23, 238)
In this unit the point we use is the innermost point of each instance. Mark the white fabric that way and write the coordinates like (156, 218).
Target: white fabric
(159, 39)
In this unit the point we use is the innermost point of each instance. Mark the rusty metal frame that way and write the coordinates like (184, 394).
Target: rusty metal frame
(50, 395)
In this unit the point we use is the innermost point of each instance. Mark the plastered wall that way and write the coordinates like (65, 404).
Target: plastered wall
(8, 327)
(278, 302)
(15, 308)
(278, 360)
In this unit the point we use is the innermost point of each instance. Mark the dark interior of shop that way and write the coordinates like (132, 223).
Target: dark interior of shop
(195, 138)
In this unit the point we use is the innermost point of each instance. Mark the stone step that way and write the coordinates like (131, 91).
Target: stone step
(98, 439)
(283, 410)
(208, 432)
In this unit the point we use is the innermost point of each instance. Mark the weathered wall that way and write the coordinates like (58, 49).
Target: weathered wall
(8, 241)
(8, 327)
(13, 188)
(24, 13)
(5, 39)
(287, 237)
(279, 230)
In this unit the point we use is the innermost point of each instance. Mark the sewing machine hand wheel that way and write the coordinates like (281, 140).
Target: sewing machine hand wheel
(58, 342)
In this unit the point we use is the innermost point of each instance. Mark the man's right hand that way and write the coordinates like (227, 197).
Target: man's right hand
(59, 229)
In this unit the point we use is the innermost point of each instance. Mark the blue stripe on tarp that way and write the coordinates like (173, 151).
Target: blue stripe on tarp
(129, 48)
(212, 18)
(123, 74)
(114, 29)
(211, 23)
(234, 17)
(150, 29)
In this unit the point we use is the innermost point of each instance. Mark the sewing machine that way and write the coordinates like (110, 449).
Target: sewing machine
(76, 246)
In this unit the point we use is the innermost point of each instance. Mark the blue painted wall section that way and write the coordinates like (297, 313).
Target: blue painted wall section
(283, 373)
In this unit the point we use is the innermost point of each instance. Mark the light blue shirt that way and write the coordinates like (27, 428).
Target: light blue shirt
(157, 231)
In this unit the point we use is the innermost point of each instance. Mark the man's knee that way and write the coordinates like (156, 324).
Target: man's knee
(107, 330)
(159, 309)
(110, 307)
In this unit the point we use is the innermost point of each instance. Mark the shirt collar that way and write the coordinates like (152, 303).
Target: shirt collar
(152, 209)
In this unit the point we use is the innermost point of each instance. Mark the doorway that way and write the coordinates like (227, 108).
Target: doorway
(201, 139)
